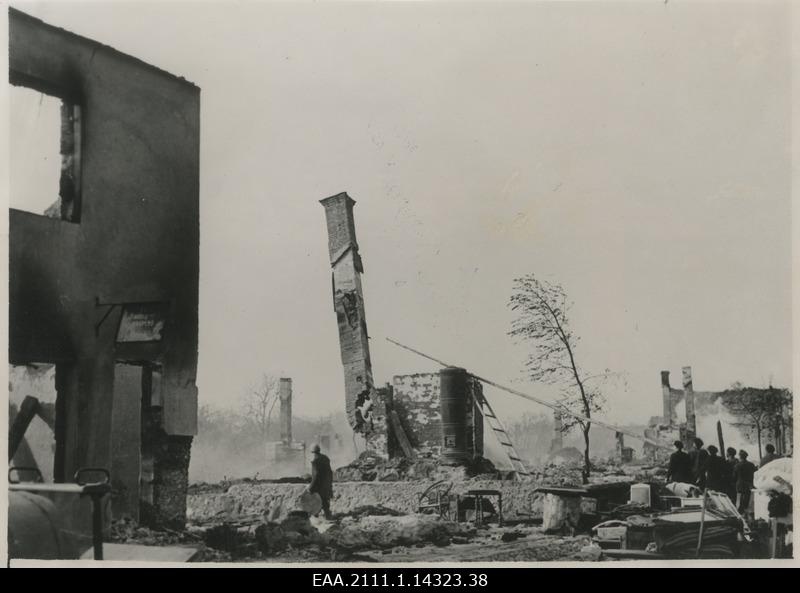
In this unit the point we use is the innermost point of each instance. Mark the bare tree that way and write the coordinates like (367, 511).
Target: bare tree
(760, 410)
(542, 319)
(259, 402)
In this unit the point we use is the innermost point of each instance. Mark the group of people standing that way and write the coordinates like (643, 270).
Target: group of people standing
(706, 469)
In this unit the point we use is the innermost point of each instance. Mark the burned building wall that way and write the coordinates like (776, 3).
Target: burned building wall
(134, 240)
(417, 402)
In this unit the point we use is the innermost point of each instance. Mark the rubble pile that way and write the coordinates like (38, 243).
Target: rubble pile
(224, 485)
(127, 531)
(568, 473)
(521, 542)
(299, 536)
(371, 510)
(273, 502)
(381, 532)
(369, 467)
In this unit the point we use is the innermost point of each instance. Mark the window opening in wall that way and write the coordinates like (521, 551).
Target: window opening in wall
(45, 142)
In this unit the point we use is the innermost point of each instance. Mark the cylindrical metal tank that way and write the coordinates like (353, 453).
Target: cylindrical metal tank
(453, 398)
(33, 528)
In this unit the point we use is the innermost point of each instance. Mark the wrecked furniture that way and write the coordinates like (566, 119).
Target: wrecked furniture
(436, 499)
(611, 534)
(479, 501)
(715, 530)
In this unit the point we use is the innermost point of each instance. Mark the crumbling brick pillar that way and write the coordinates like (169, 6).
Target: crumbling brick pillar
(377, 439)
(666, 396)
(170, 483)
(285, 394)
(688, 392)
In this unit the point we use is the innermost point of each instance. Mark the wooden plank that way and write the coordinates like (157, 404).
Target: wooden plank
(47, 412)
(401, 436)
(21, 422)
(633, 554)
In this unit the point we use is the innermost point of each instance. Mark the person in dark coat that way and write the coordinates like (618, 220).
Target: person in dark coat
(744, 481)
(715, 471)
(730, 476)
(322, 479)
(680, 466)
(770, 456)
(699, 457)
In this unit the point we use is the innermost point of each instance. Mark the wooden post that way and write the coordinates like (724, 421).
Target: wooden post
(27, 411)
(721, 440)
(702, 525)
(400, 435)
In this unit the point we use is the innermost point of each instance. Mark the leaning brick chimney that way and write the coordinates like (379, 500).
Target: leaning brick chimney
(688, 393)
(666, 397)
(348, 302)
(285, 393)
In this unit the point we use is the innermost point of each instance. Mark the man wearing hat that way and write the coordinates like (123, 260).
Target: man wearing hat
(744, 481)
(322, 479)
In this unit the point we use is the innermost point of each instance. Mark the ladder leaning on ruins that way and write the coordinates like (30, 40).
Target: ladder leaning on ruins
(503, 437)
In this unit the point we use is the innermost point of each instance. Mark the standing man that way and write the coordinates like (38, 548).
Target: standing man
(680, 466)
(699, 457)
(731, 462)
(322, 479)
(744, 481)
(715, 471)
(770, 456)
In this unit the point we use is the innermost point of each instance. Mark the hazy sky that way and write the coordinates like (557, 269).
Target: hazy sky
(636, 153)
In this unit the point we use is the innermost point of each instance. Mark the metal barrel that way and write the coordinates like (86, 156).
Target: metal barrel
(453, 401)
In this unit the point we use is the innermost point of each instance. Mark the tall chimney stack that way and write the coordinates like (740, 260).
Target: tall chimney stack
(348, 302)
(688, 393)
(666, 397)
(285, 394)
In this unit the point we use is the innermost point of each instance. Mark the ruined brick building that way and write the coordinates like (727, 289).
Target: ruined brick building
(104, 283)
(749, 417)
(417, 400)
(409, 416)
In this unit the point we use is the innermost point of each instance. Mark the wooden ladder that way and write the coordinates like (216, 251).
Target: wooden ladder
(503, 437)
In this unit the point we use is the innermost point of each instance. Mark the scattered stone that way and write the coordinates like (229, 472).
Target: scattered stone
(222, 537)
(372, 510)
(271, 538)
(381, 532)
(590, 553)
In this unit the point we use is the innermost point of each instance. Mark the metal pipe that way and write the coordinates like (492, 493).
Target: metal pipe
(97, 526)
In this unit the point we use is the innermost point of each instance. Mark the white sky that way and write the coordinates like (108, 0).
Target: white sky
(637, 153)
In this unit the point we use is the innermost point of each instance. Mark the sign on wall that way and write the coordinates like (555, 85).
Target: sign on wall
(142, 322)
